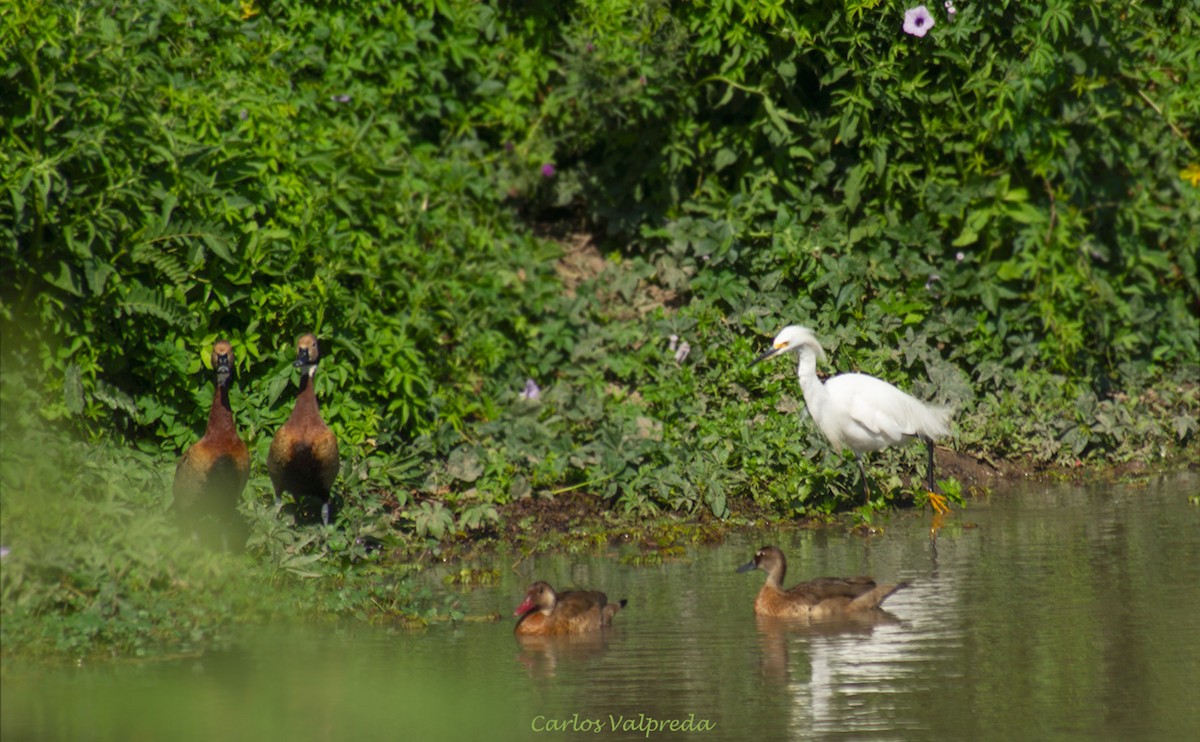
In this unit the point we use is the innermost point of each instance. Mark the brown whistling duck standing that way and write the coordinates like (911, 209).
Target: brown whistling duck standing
(304, 454)
(547, 613)
(824, 597)
(210, 477)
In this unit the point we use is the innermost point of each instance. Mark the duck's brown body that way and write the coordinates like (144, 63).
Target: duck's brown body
(824, 597)
(212, 474)
(304, 459)
(547, 613)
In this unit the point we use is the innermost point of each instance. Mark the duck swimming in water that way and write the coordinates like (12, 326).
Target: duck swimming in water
(547, 613)
(824, 597)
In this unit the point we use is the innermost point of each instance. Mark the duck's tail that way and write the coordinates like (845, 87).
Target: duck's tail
(610, 610)
(875, 597)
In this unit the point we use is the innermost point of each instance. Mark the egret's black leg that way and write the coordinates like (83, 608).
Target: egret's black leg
(929, 471)
(862, 473)
(936, 500)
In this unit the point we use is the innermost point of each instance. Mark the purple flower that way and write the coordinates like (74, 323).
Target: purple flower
(3, 551)
(917, 21)
(531, 390)
(683, 351)
(548, 170)
(959, 257)
(243, 114)
(509, 146)
(343, 98)
(590, 47)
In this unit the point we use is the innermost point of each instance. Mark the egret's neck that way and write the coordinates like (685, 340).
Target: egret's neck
(815, 393)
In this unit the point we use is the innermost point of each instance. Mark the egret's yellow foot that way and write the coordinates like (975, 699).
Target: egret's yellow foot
(937, 502)
(936, 525)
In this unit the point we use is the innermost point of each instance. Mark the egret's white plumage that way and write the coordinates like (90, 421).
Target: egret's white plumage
(857, 411)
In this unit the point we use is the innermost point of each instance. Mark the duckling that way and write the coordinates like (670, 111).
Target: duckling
(547, 613)
(824, 597)
(212, 473)
(303, 459)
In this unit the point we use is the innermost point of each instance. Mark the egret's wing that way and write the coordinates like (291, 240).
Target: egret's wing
(876, 414)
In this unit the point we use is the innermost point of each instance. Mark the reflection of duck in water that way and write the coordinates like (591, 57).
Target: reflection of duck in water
(547, 613)
(541, 654)
(824, 597)
(774, 634)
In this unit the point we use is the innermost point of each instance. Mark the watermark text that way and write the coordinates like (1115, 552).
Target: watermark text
(647, 725)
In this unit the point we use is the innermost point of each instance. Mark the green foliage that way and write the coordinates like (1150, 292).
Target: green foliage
(179, 173)
(825, 135)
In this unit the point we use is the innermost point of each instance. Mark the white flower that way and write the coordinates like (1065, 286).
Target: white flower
(917, 21)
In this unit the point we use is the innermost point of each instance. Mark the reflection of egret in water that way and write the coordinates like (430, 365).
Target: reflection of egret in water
(541, 655)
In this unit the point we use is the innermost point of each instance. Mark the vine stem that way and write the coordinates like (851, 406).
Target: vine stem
(1170, 123)
(570, 487)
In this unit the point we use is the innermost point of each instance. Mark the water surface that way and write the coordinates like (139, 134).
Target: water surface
(1063, 613)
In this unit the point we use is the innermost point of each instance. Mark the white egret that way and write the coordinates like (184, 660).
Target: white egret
(861, 412)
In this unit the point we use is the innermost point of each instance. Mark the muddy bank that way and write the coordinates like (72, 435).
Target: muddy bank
(578, 520)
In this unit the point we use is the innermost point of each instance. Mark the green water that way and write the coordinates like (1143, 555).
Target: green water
(1066, 613)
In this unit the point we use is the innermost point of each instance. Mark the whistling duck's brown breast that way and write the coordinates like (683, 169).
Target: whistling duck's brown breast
(823, 597)
(304, 459)
(544, 612)
(212, 474)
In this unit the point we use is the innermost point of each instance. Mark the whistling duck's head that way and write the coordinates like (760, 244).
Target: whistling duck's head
(222, 361)
(307, 352)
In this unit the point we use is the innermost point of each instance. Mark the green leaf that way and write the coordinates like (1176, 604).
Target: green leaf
(73, 390)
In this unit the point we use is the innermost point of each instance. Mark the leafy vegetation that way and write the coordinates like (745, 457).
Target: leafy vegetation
(461, 197)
